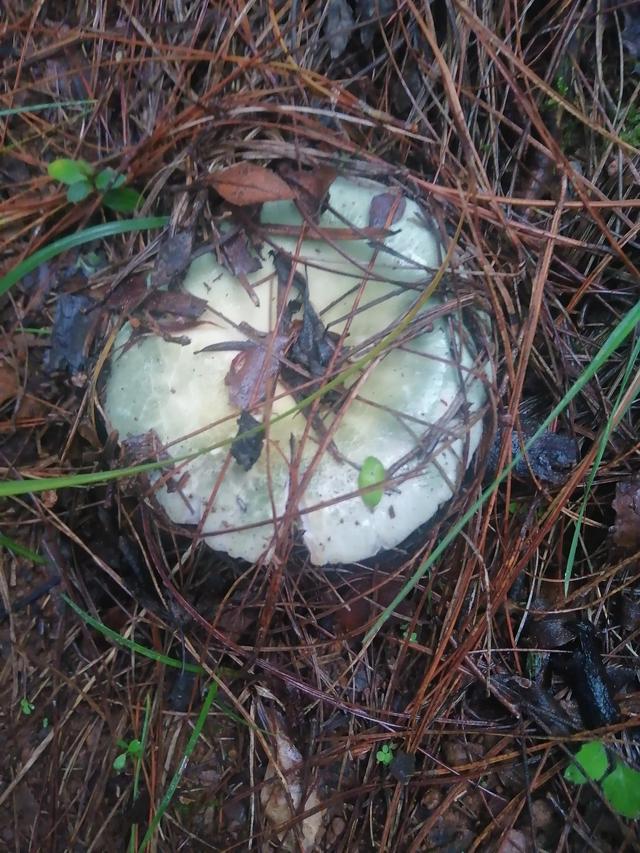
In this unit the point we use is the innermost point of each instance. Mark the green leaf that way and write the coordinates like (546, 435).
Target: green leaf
(79, 238)
(109, 179)
(70, 171)
(590, 762)
(79, 191)
(134, 747)
(120, 762)
(371, 473)
(622, 790)
(124, 200)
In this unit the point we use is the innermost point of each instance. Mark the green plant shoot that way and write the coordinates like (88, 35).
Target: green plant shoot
(385, 754)
(82, 180)
(133, 748)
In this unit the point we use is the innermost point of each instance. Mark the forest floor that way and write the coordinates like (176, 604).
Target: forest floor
(157, 695)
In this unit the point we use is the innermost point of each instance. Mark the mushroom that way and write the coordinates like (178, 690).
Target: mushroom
(413, 406)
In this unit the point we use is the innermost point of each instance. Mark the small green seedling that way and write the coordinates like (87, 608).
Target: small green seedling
(561, 86)
(385, 754)
(371, 474)
(81, 179)
(133, 748)
(26, 707)
(621, 786)
(411, 637)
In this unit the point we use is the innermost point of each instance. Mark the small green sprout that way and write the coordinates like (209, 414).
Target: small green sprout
(385, 754)
(411, 637)
(133, 748)
(561, 86)
(26, 707)
(81, 180)
(621, 786)
(371, 474)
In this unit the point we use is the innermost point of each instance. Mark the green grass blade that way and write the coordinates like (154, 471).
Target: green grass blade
(177, 776)
(20, 550)
(36, 108)
(11, 488)
(624, 328)
(95, 232)
(603, 441)
(143, 740)
(138, 766)
(119, 640)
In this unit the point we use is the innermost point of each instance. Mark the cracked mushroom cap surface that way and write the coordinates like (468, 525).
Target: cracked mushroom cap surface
(415, 406)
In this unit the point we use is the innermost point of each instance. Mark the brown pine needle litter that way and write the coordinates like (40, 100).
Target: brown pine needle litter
(159, 695)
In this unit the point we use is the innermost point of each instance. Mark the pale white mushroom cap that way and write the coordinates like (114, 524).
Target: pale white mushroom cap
(418, 403)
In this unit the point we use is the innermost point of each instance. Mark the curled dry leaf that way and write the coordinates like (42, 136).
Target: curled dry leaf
(313, 346)
(174, 256)
(248, 183)
(236, 256)
(179, 303)
(339, 26)
(74, 327)
(515, 841)
(371, 14)
(8, 383)
(551, 632)
(246, 449)
(277, 802)
(626, 530)
(386, 209)
(253, 370)
(311, 187)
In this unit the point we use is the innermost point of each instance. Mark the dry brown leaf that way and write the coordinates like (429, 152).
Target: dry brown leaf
(515, 841)
(339, 26)
(253, 370)
(248, 183)
(8, 383)
(386, 209)
(277, 803)
(626, 530)
(237, 256)
(311, 186)
(174, 256)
